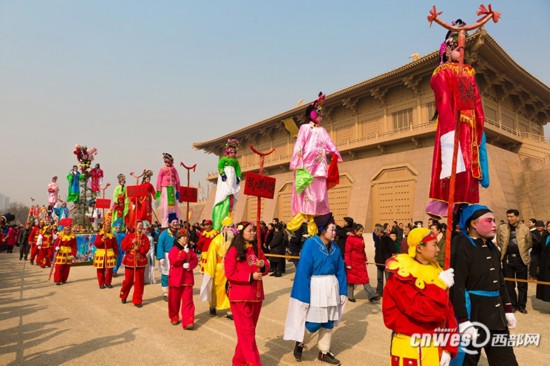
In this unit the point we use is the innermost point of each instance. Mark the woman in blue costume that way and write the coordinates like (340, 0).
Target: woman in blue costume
(319, 291)
(74, 186)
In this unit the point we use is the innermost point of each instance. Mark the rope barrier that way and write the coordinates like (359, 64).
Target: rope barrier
(546, 283)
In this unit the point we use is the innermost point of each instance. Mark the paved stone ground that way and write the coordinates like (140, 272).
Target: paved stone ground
(79, 324)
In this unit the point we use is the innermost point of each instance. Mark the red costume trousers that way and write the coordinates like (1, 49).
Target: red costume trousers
(61, 273)
(34, 252)
(133, 279)
(104, 276)
(245, 316)
(181, 296)
(45, 257)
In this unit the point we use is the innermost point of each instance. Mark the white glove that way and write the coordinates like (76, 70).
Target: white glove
(448, 276)
(186, 266)
(162, 261)
(511, 320)
(467, 330)
(56, 249)
(39, 246)
(343, 299)
(445, 359)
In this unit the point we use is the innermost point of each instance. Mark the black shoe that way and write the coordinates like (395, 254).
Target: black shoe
(138, 305)
(165, 297)
(32, 263)
(523, 311)
(298, 349)
(514, 309)
(229, 316)
(212, 311)
(102, 286)
(272, 274)
(109, 285)
(115, 274)
(328, 358)
(277, 275)
(58, 283)
(374, 300)
(123, 301)
(351, 300)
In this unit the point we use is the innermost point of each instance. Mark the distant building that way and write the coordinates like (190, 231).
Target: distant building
(384, 131)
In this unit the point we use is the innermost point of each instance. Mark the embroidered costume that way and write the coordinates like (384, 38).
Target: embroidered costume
(168, 184)
(105, 257)
(228, 185)
(66, 242)
(136, 245)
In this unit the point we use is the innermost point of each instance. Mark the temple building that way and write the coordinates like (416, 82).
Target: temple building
(384, 130)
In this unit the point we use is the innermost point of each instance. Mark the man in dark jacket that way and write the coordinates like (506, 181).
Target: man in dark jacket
(383, 250)
(342, 234)
(23, 241)
(277, 246)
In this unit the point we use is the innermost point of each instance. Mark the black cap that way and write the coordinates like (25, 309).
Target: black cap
(539, 223)
(349, 220)
(323, 221)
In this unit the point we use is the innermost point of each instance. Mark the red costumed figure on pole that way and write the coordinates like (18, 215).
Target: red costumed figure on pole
(96, 178)
(245, 265)
(181, 281)
(105, 256)
(66, 251)
(45, 247)
(455, 92)
(144, 204)
(135, 245)
(168, 183)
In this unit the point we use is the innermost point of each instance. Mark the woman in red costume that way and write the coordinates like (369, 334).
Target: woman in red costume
(105, 256)
(181, 281)
(66, 251)
(456, 93)
(135, 245)
(245, 265)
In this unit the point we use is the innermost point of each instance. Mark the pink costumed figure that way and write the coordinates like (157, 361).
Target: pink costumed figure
(168, 183)
(309, 161)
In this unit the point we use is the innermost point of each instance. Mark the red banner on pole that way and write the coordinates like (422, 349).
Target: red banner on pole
(136, 191)
(188, 194)
(103, 203)
(259, 185)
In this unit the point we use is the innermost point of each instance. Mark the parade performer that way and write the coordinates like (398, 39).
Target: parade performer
(120, 203)
(319, 291)
(479, 294)
(181, 280)
(45, 246)
(136, 245)
(455, 92)
(53, 193)
(168, 184)
(228, 185)
(144, 207)
(309, 161)
(205, 238)
(165, 242)
(245, 265)
(74, 177)
(65, 247)
(96, 178)
(416, 303)
(61, 212)
(33, 239)
(119, 235)
(213, 286)
(151, 254)
(105, 256)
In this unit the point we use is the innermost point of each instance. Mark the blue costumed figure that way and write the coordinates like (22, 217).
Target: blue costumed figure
(74, 184)
(119, 235)
(319, 291)
(164, 244)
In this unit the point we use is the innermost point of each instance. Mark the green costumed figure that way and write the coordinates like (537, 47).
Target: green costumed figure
(120, 204)
(74, 184)
(228, 186)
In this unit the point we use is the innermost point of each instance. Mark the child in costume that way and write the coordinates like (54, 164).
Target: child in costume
(228, 185)
(105, 256)
(168, 184)
(44, 244)
(416, 302)
(66, 251)
(456, 92)
(181, 280)
(245, 265)
(135, 245)
(309, 161)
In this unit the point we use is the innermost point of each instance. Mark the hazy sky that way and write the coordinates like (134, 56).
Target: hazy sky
(138, 78)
